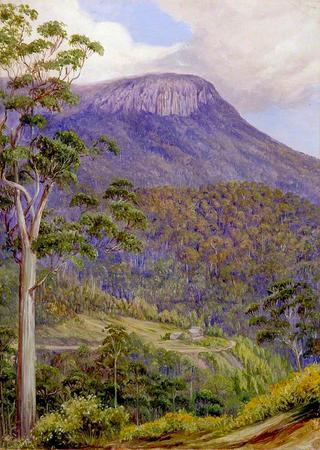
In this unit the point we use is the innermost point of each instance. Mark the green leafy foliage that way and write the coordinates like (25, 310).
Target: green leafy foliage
(173, 422)
(7, 380)
(288, 314)
(216, 249)
(299, 390)
(80, 421)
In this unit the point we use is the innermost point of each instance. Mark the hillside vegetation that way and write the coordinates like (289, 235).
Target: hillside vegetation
(298, 397)
(215, 249)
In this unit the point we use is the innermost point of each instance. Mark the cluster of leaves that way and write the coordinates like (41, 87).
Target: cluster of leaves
(40, 70)
(80, 421)
(289, 315)
(101, 231)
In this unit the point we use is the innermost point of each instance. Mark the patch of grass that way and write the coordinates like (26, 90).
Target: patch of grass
(88, 330)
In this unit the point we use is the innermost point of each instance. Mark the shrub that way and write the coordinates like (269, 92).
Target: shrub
(53, 431)
(300, 389)
(79, 421)
(215, 331)
(165, 337)
(173, 422)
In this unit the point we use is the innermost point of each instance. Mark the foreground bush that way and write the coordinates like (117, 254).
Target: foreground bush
(172, 422)
(79, 421)
(300, 389)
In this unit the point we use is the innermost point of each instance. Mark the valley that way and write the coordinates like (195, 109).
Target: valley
(159, 255)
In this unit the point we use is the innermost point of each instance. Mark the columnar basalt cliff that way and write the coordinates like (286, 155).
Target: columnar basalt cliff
(176, 129)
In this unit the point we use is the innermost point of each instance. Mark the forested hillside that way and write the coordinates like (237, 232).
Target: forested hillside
(208, 252)
(216, 249)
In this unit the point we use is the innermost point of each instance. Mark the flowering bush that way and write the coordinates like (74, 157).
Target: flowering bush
(300, 389)
(80, 421)
(172, 422)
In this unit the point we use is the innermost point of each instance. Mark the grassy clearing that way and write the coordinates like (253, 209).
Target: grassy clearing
(86, 330)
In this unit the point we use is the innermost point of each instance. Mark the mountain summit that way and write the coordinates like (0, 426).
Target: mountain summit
(161, 94)
(176, 129)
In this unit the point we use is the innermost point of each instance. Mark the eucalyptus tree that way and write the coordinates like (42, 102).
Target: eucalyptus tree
(40, 64)
(289, 315)
(115, 345)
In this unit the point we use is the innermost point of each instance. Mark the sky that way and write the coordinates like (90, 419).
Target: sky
(263, 56)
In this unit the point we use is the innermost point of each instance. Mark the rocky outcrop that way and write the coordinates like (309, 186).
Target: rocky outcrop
(176, 129)
(161, 94)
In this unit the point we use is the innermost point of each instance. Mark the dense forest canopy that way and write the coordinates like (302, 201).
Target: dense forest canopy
(216, 249)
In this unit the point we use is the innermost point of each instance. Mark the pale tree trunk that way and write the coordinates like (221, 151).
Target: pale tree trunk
(26, 386)
(297, 355)
(115, 384)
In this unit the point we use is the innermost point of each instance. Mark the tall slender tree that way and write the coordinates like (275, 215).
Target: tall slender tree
(115, 345)
(288, 315)
(40, 64)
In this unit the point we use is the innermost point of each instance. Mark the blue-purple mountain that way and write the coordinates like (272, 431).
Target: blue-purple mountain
(176, 129)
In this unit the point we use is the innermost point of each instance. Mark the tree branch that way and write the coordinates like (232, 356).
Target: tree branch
(43, 279)
(34, 232)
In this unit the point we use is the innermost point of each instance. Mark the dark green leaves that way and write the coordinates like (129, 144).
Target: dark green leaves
(72, 140)
(84, 200)
(63, 239)
(18, 102)
(52, 29)
(120, 190)
(123, 211)
(10, 155)
(81, 41)
(20, 82)
(105, 144)
(59, 158)
(36, 120)
(98, 225)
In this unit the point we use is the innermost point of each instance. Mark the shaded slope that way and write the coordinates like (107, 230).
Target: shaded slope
(176, 129)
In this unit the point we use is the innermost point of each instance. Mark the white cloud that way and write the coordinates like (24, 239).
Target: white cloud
(122, 57)
(256, 52)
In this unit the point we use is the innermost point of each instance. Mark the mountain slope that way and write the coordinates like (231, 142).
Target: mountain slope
(216, 249)
(176, 129)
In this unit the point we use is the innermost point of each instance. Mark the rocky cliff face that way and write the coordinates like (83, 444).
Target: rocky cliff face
(176, 129)
(161, 94)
